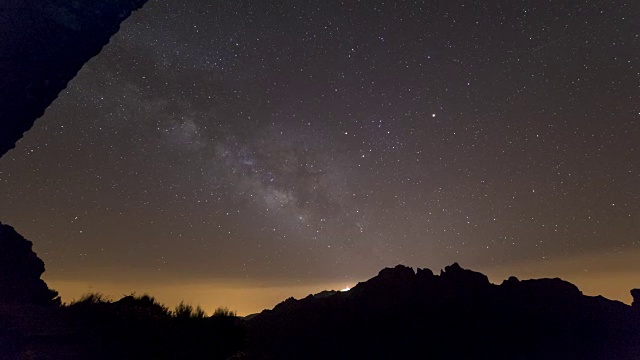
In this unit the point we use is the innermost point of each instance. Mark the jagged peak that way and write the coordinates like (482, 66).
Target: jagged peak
(424, 273)
(456, 273)
(460, 303)
(398, 270)
(452, 268)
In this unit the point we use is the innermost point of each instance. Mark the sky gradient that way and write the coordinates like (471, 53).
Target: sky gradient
(240, 153)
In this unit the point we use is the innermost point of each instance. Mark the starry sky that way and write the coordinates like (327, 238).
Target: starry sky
(238, 153)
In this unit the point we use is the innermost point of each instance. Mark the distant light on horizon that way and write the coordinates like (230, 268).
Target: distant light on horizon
(220, 167)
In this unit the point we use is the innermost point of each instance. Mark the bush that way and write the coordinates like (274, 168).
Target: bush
(224, 311)
(92, 298)
(187, 311)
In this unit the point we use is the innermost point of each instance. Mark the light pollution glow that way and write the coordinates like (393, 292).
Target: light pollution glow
(609, 275)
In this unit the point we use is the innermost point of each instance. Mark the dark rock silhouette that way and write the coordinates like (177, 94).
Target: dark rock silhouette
(459, 314)
(399, 314)
(43, 45)
(325, 293)
(20, 271)
(635, 293)
(467, 278)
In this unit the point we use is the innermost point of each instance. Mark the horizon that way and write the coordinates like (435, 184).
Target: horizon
(246, 296)
(306, 146)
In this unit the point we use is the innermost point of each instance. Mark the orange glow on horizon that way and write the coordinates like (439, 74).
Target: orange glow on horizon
(611, 275)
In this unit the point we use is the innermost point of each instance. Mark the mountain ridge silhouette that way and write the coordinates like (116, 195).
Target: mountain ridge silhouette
(458, 314)
(398, 314)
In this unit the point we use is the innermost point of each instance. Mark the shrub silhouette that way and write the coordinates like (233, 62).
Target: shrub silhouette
(138, 326)
(91, 298)
(186, 311)
(224, 311)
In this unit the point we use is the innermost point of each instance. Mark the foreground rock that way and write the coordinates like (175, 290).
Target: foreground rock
(20, 271)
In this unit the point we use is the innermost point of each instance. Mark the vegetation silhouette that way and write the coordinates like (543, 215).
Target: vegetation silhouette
(398, 314)
(224, 311)
(186, 311)
(141, 327)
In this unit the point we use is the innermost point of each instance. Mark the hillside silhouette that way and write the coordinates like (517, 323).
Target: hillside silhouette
(398, 314)
(459, 314)
(134, 327)
(35, 325)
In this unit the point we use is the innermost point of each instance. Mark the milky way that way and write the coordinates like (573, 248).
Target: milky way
(327, 140)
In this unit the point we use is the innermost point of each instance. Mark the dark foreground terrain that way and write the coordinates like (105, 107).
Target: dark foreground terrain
(399, 314)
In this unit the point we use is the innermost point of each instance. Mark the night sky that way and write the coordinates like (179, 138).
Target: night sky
(237, 153)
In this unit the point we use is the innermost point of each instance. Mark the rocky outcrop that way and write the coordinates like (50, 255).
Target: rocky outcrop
(43, 45)
(458, 314)
(456, 274)
(390, 280)
(20, 271)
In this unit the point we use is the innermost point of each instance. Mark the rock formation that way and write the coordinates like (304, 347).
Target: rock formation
(43, 46)
(459, 314)
(20, 271)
